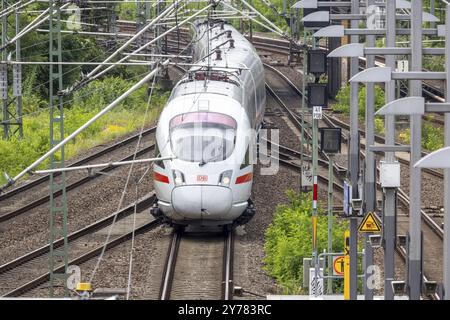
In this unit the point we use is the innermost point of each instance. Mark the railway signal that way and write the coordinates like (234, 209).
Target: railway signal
(324, 16)
(317, 95)
(316, 65)
(330, 143)
(330, 140)
(317, 62)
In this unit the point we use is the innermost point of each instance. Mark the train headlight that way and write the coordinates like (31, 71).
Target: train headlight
(178, 177)
(225, 178)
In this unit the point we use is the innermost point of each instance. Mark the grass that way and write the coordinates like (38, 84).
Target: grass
(432, 136)
(16, 154)
(289, 239)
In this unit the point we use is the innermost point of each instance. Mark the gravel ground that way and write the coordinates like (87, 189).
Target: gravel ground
(268, 192)
(43, 189)
(249, 262)
(86, 204)
(249, 250)
(149, 256)
(151, 247)
(432, 188)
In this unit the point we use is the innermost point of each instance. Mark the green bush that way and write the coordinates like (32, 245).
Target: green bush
(432, 137)
(379, 126)
(288, 240)
(16, 154)
(343, 100)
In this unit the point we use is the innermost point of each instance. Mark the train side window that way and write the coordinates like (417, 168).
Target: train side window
(159, 163)
(246, 161)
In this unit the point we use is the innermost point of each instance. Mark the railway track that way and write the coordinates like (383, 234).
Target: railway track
(20, 276)
(83, 161)
(199, 265)
(433, 233)
(331, 121)
(14, 203)
(279, 46)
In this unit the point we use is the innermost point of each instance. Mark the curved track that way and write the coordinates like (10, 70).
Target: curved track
(433, 233)
(29, 271)
(33, 194)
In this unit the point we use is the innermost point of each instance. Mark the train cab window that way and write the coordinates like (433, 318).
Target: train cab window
(159, 163)
(246, 161)
(202, 136)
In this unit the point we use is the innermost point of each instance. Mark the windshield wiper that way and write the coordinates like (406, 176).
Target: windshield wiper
(203, 162)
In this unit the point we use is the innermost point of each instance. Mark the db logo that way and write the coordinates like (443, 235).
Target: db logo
(202, 178)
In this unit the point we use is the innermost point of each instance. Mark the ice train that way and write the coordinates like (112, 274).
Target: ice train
(205, 126)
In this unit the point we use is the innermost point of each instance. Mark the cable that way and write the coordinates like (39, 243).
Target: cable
(100, 258)
(132, 242)
(81, 96)
(73, 69)
(254, 293)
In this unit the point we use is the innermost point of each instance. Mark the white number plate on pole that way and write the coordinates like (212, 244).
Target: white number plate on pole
(402, 66)
(307, 178)
(317, 113)
(312, 282)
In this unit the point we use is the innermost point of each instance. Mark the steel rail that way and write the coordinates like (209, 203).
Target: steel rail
(84, 257)
(94, 156)
(142, 204)
(402, 195)
(72, 186)
(169, 268)
(228, 255)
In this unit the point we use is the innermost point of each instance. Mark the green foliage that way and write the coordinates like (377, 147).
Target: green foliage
(379, 126)
(343, 100)
(432, 137)
(434, 63)
(127, 11)
(288, 240)
(16, 154)
(271, 14)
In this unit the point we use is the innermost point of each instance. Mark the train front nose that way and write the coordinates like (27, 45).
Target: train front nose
(202, 202)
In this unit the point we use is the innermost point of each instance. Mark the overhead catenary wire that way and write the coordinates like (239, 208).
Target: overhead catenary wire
(256, 21)
(116, 102)
(100, 258)
(101, 165)
(91, 76)
(15, 7)
(31, 26)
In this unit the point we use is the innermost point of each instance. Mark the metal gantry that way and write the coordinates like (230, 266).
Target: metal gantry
(4, 77)
(353, 158)
(369, 164)
(411, 12)
(361, 190)
(11, 106)
(415, 230)
(58, 204)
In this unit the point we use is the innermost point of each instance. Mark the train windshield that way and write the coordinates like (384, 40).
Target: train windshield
(202, 136)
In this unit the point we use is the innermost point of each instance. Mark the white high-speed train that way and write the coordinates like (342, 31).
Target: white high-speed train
(206, 126)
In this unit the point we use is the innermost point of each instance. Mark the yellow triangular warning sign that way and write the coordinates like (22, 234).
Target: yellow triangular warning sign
(369, 224)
